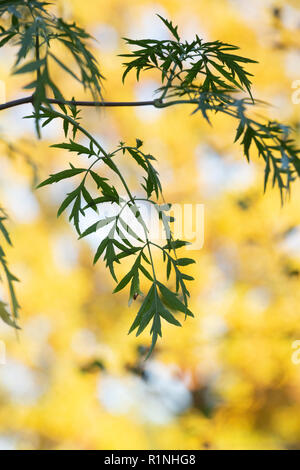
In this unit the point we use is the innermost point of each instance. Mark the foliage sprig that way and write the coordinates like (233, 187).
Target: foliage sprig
(210, 76)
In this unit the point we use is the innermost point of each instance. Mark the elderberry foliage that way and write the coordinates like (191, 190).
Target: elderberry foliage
(209, 76)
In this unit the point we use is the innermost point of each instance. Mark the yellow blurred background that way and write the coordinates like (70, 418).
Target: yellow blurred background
(74, 379)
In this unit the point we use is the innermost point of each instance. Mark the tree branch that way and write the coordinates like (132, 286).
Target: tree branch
(11, 104)
(157, 103)
(29, 99)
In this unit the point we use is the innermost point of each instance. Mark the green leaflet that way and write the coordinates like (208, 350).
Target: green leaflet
(61, 176)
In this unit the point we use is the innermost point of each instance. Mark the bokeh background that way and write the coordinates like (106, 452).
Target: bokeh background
(74, 379)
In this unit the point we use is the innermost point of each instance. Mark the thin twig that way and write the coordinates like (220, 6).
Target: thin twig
(29, 99)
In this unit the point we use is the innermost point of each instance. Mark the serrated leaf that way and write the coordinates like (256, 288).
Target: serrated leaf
(88, 198)
(123, 283)
(185, 261)
(61, 175)
(73, 147)
(129, 230)
(70, 197)
(100, 250)
(164, 313)
(145, 307)
(4, 230)
(172, 300)
(146, 273)
(170, 27)
(175, 244)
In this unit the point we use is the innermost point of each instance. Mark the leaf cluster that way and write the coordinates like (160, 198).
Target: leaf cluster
(34, 31)
(209, 75)
(122, 240)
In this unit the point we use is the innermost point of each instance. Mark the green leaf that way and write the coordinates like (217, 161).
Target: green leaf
(6, 317)
(70, 197)
(175, 244)
(30, 66)
(94, 227)
(247, 141)
(126, 279)
(74, 147)
(64, 67)
(155, 331)
(4, 230)
(61, 176)
(226, 74)
(135, 287)
(239, 130)
(110, 257)
(75, 212)
(148, 315)
(7, 38)
(66, 127)
(146, 273)
(146, 306)
(186, 277)
(170, 27)
(100, 250)
(169, 317)
(109, 191)
(169, 266)
(129, 230)
(99, 180)
(184, 261)
(172, 300)
(88, 198)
